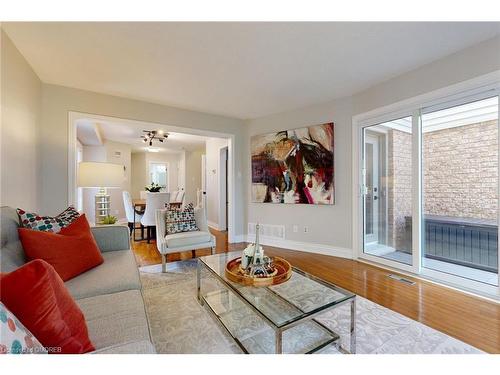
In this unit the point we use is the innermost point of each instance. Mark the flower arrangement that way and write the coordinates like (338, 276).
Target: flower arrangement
(153, 188)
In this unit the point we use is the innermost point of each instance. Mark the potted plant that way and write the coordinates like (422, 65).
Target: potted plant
(109, 220)
(153, 188)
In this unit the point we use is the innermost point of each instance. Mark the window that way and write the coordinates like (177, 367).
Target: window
(158, 174)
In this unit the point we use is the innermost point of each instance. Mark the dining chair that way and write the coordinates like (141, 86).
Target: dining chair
(133, 216)
(154, 201)
(180, 196)
(173, 196)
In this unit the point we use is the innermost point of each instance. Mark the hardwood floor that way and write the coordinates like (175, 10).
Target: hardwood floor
(467, 318)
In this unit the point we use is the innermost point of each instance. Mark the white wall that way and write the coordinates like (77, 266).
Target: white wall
(212, 149)
(193, 174)
(140, 169)
(330, 226)
(139, 174)
(20, 123)
(58, 101)
(106, 153)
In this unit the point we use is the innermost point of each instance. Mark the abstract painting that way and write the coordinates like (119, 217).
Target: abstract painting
(294, 166)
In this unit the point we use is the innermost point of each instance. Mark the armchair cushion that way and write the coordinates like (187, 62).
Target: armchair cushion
(187, 238)
(181, 220)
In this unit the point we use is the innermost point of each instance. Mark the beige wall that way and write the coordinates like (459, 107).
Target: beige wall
(20, 123)
(213, 177)
(193, 174)
(57, 101)
(105, 153)
(139, 175)
(332, 225)
(329, 225)
(140, 170)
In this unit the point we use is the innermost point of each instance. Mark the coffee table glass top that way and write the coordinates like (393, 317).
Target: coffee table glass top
(302, 295)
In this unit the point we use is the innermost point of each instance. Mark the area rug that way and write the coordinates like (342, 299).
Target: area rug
(179, 324)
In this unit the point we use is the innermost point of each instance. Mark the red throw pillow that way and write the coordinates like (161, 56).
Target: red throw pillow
(71, 252)
(37, 296)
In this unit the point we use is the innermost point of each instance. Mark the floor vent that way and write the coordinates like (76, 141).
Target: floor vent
(401, 279)
(268, 230)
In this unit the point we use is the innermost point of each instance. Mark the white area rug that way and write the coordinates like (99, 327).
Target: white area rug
(180, 325)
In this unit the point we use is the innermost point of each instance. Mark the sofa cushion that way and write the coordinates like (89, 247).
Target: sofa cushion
(37, 296)
(71, 252)
(16, 338)
(118, 273)
(54, 224)
(115, 318)
(135, 347)
(187, 238)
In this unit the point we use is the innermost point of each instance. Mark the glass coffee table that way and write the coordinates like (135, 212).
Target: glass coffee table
(276, 319)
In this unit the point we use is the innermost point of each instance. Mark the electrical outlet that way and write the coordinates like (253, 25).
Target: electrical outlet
(295, 229)
(306, 229)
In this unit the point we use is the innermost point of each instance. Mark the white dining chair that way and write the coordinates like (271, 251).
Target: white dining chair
(133, 217)
(173, 196)
(154, 201)
(180, 196)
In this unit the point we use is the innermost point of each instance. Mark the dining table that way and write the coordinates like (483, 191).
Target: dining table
(140, 207)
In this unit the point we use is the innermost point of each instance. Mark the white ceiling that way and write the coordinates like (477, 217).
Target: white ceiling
(243, 70)
(130, 134)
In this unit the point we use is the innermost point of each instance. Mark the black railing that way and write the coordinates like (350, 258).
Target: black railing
(468, 242)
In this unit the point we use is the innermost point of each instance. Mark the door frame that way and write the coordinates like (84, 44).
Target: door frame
(374, 141)
(73, 116)
(469, 90)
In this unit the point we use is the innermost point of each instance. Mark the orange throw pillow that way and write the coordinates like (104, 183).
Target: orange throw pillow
(37, 296)
(71, 251)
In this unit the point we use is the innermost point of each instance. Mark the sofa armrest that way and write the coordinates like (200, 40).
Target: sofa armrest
(112, 237)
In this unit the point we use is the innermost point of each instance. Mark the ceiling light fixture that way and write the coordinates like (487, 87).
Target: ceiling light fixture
(151, 135)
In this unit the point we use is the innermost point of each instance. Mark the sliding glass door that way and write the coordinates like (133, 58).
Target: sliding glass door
(387, 195)
(460, 190)
(429, 191)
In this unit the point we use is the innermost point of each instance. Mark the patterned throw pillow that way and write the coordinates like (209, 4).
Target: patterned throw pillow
(34, 221)
(181, 220)
(14, 337)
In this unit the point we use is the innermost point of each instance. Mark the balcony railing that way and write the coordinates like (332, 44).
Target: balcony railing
(467, 242)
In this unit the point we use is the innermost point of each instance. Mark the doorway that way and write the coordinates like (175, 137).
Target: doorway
(176, 133)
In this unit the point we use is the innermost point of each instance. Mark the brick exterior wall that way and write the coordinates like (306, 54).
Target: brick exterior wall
(399, 183)
(460, 170)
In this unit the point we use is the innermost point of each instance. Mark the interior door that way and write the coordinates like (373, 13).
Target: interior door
(371, 188)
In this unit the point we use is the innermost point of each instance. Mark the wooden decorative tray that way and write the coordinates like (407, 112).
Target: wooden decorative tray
(283, 271)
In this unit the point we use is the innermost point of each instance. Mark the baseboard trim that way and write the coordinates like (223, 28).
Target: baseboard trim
(307, 247)
(213, 225)
(238, 238)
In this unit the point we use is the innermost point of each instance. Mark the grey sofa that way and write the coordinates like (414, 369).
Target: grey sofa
(109, 295)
